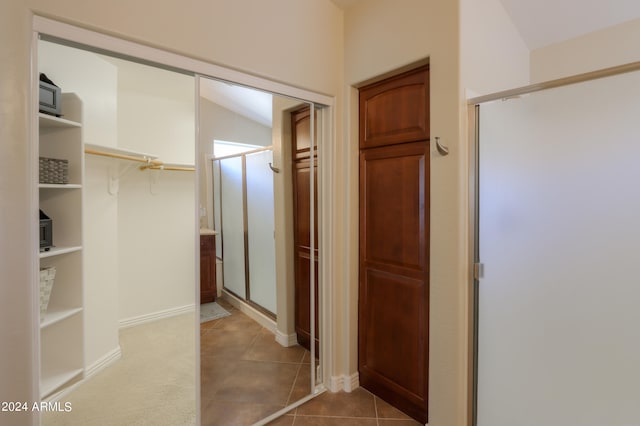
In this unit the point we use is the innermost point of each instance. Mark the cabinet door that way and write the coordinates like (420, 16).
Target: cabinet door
(393, 354)
(395, 110)
(207, 269)
(301, 139)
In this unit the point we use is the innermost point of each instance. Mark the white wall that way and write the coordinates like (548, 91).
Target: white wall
(80, 71)
(612, 46)
(94, 79)
(381, 36)
(156, 243)
(156, 110)
(493, 55)
(156, 209)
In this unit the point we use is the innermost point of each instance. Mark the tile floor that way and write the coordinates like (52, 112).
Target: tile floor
(246, 376)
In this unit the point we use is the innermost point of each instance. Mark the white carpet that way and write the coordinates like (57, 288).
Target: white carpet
(212, 311)
(152, 384)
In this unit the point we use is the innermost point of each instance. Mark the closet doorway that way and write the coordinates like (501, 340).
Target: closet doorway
(111, 181)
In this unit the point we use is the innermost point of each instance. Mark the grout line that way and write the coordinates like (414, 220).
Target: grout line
(293, 385)
(338, 417)
(375, 406)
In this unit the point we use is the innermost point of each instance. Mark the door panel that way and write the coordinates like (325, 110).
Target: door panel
(393, 335)
(395, 110)
(394, 179)
(301, 141)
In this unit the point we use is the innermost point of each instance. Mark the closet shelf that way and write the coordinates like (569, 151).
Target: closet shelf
(59, 186)
(49, 121)
(151, 161)
(58, 379)
(121, 154)
(55, 251)
(54, 316)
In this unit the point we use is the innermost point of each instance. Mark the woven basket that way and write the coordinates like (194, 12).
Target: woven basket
(53, 170)
(47, 276)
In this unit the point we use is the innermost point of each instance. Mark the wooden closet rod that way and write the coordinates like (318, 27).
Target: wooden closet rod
(123, 157)
(163, 167)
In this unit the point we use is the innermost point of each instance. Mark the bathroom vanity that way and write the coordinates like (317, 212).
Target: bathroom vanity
(208, 289)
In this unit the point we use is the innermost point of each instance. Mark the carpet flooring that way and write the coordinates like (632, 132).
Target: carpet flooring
(152, 384)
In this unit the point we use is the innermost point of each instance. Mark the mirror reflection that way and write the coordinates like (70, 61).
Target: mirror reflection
(117, 338)
(255, 352)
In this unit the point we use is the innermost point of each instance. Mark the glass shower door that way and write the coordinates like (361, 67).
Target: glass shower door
(558, 236)
(261, 230)
(232, 221)
(245, 202)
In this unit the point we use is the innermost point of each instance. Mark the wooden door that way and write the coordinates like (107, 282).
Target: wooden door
(393, 345)
(301, 140)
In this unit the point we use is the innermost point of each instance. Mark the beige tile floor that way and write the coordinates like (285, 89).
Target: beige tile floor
(246, 376)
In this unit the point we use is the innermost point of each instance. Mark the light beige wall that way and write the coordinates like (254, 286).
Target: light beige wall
(309, 39)
(493, 56)
(290, 41)
(612, 46)
(381, 36)
(156, 209)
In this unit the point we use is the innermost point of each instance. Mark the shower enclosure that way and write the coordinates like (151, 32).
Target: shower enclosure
(244, 212)
(558, 341)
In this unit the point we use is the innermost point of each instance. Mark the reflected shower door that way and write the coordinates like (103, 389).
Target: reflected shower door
(261, 230)
(232, 209)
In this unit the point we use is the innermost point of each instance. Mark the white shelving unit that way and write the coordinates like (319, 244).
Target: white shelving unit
(61, 327)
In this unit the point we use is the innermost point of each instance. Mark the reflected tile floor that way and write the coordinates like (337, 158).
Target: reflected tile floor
(246, 376)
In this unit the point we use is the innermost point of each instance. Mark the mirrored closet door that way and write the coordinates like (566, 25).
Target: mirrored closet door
(144, 167)
(253, 360)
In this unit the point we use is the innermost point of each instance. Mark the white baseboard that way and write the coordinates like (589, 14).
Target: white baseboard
(252, 313)
(103, 363)
(286, 340)
(344, 383)
(154, 316)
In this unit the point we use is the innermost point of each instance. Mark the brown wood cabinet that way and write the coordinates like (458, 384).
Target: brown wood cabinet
(208, 289)
(393, 330)
(301, 143)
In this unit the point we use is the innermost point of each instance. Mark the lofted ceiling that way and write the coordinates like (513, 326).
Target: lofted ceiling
(545, 22)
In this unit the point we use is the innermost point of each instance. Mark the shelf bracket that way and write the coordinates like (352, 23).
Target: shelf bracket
(113, 179)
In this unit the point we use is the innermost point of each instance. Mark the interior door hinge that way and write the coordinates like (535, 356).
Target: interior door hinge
(478, 271)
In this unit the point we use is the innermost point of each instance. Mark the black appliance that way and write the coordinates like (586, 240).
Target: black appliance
(50, 97)
(46, 232)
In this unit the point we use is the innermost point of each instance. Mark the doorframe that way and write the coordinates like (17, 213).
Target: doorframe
(84, 38)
